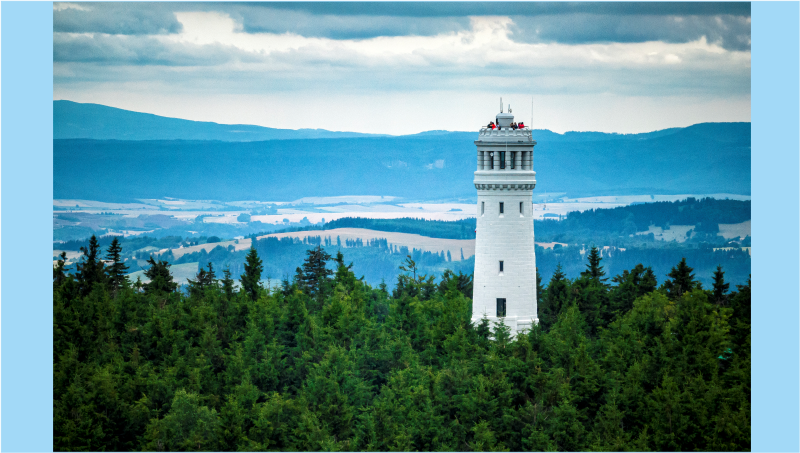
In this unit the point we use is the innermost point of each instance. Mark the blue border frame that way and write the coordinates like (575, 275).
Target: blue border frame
(26, 203)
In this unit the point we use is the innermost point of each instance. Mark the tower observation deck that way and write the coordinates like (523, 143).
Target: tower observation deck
(505, 262)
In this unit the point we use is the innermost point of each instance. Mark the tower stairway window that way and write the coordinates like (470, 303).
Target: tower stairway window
(482, 206)
(501, 307)
(501, 207)
(501, 266)
(520, 208)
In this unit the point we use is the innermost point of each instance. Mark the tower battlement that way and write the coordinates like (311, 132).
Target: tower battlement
(504, 134)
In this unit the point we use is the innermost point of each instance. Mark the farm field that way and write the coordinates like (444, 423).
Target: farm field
(180, 273)
(735, 230)
(412, 241)
(677, 233)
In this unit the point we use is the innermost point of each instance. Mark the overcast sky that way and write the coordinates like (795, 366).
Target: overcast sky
(402, 68)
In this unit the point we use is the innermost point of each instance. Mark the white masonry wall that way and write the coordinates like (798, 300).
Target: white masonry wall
(506, 237)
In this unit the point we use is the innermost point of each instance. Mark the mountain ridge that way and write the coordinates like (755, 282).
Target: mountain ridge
(74, 120)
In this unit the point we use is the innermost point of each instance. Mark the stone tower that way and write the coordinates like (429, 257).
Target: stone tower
(505, 264)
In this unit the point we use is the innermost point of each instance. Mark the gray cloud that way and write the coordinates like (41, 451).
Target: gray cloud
(564, 22)
(570, 23)
(116, 18)
(273, 20)
(135, 50)
(731, 32)
(445, 9)
(295, 71)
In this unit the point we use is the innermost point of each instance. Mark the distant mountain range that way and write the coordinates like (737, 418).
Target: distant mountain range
(146, 156)
(100, 122)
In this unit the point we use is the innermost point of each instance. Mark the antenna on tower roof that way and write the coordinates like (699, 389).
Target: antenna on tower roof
(501, 104)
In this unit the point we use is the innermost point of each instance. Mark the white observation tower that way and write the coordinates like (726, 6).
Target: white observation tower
(505, 263)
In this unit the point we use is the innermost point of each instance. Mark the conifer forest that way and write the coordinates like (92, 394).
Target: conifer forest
(326, 362)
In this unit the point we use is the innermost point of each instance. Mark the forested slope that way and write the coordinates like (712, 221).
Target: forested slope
(327, 362)
(701, 159)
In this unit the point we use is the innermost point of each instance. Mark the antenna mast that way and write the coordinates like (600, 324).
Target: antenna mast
(501, 104)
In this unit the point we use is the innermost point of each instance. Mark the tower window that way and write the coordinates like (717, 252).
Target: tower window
(501, 307)
(513, 158)
(502, 160)
(501, 266)
(501, 207)
(482, 206)
(520, 207)
(491, 161)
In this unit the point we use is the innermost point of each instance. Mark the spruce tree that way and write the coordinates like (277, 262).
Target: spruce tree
(682, 281)
(90, 268)
(117, 270)
(594, 270)
(539, 287)
(315, 275)
(59, 271)
(251, 279)
(553, 299)
(718, 295)
(160, 277)
(204, 279)
(630, 286)
(227, 283)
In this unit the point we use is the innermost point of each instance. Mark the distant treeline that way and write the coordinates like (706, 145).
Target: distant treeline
(130, 242)
(457, 229)
(379, 260)
(578, 227)
(706, 213)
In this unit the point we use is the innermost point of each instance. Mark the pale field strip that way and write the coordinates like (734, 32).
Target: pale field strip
(180, 273)
(734, 230)
(399, 239)
(412, 241)
(243, 244)
(71, 255)
(678, 232)
(675, 233)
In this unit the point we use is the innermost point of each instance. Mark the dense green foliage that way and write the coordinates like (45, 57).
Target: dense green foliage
(610, 367)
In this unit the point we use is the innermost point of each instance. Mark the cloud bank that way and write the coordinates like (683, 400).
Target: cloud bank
(644, 54)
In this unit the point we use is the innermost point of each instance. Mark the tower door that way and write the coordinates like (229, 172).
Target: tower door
(501, 307)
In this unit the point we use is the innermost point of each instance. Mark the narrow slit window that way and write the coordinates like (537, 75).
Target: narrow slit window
(491, 161)
(501, 266)
(520, 208)
(513, 158)
(501, 207)
(502, 160)
(501, 307)
(482, 206)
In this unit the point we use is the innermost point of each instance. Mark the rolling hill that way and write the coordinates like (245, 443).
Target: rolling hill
(100, 122)
(109, 165)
